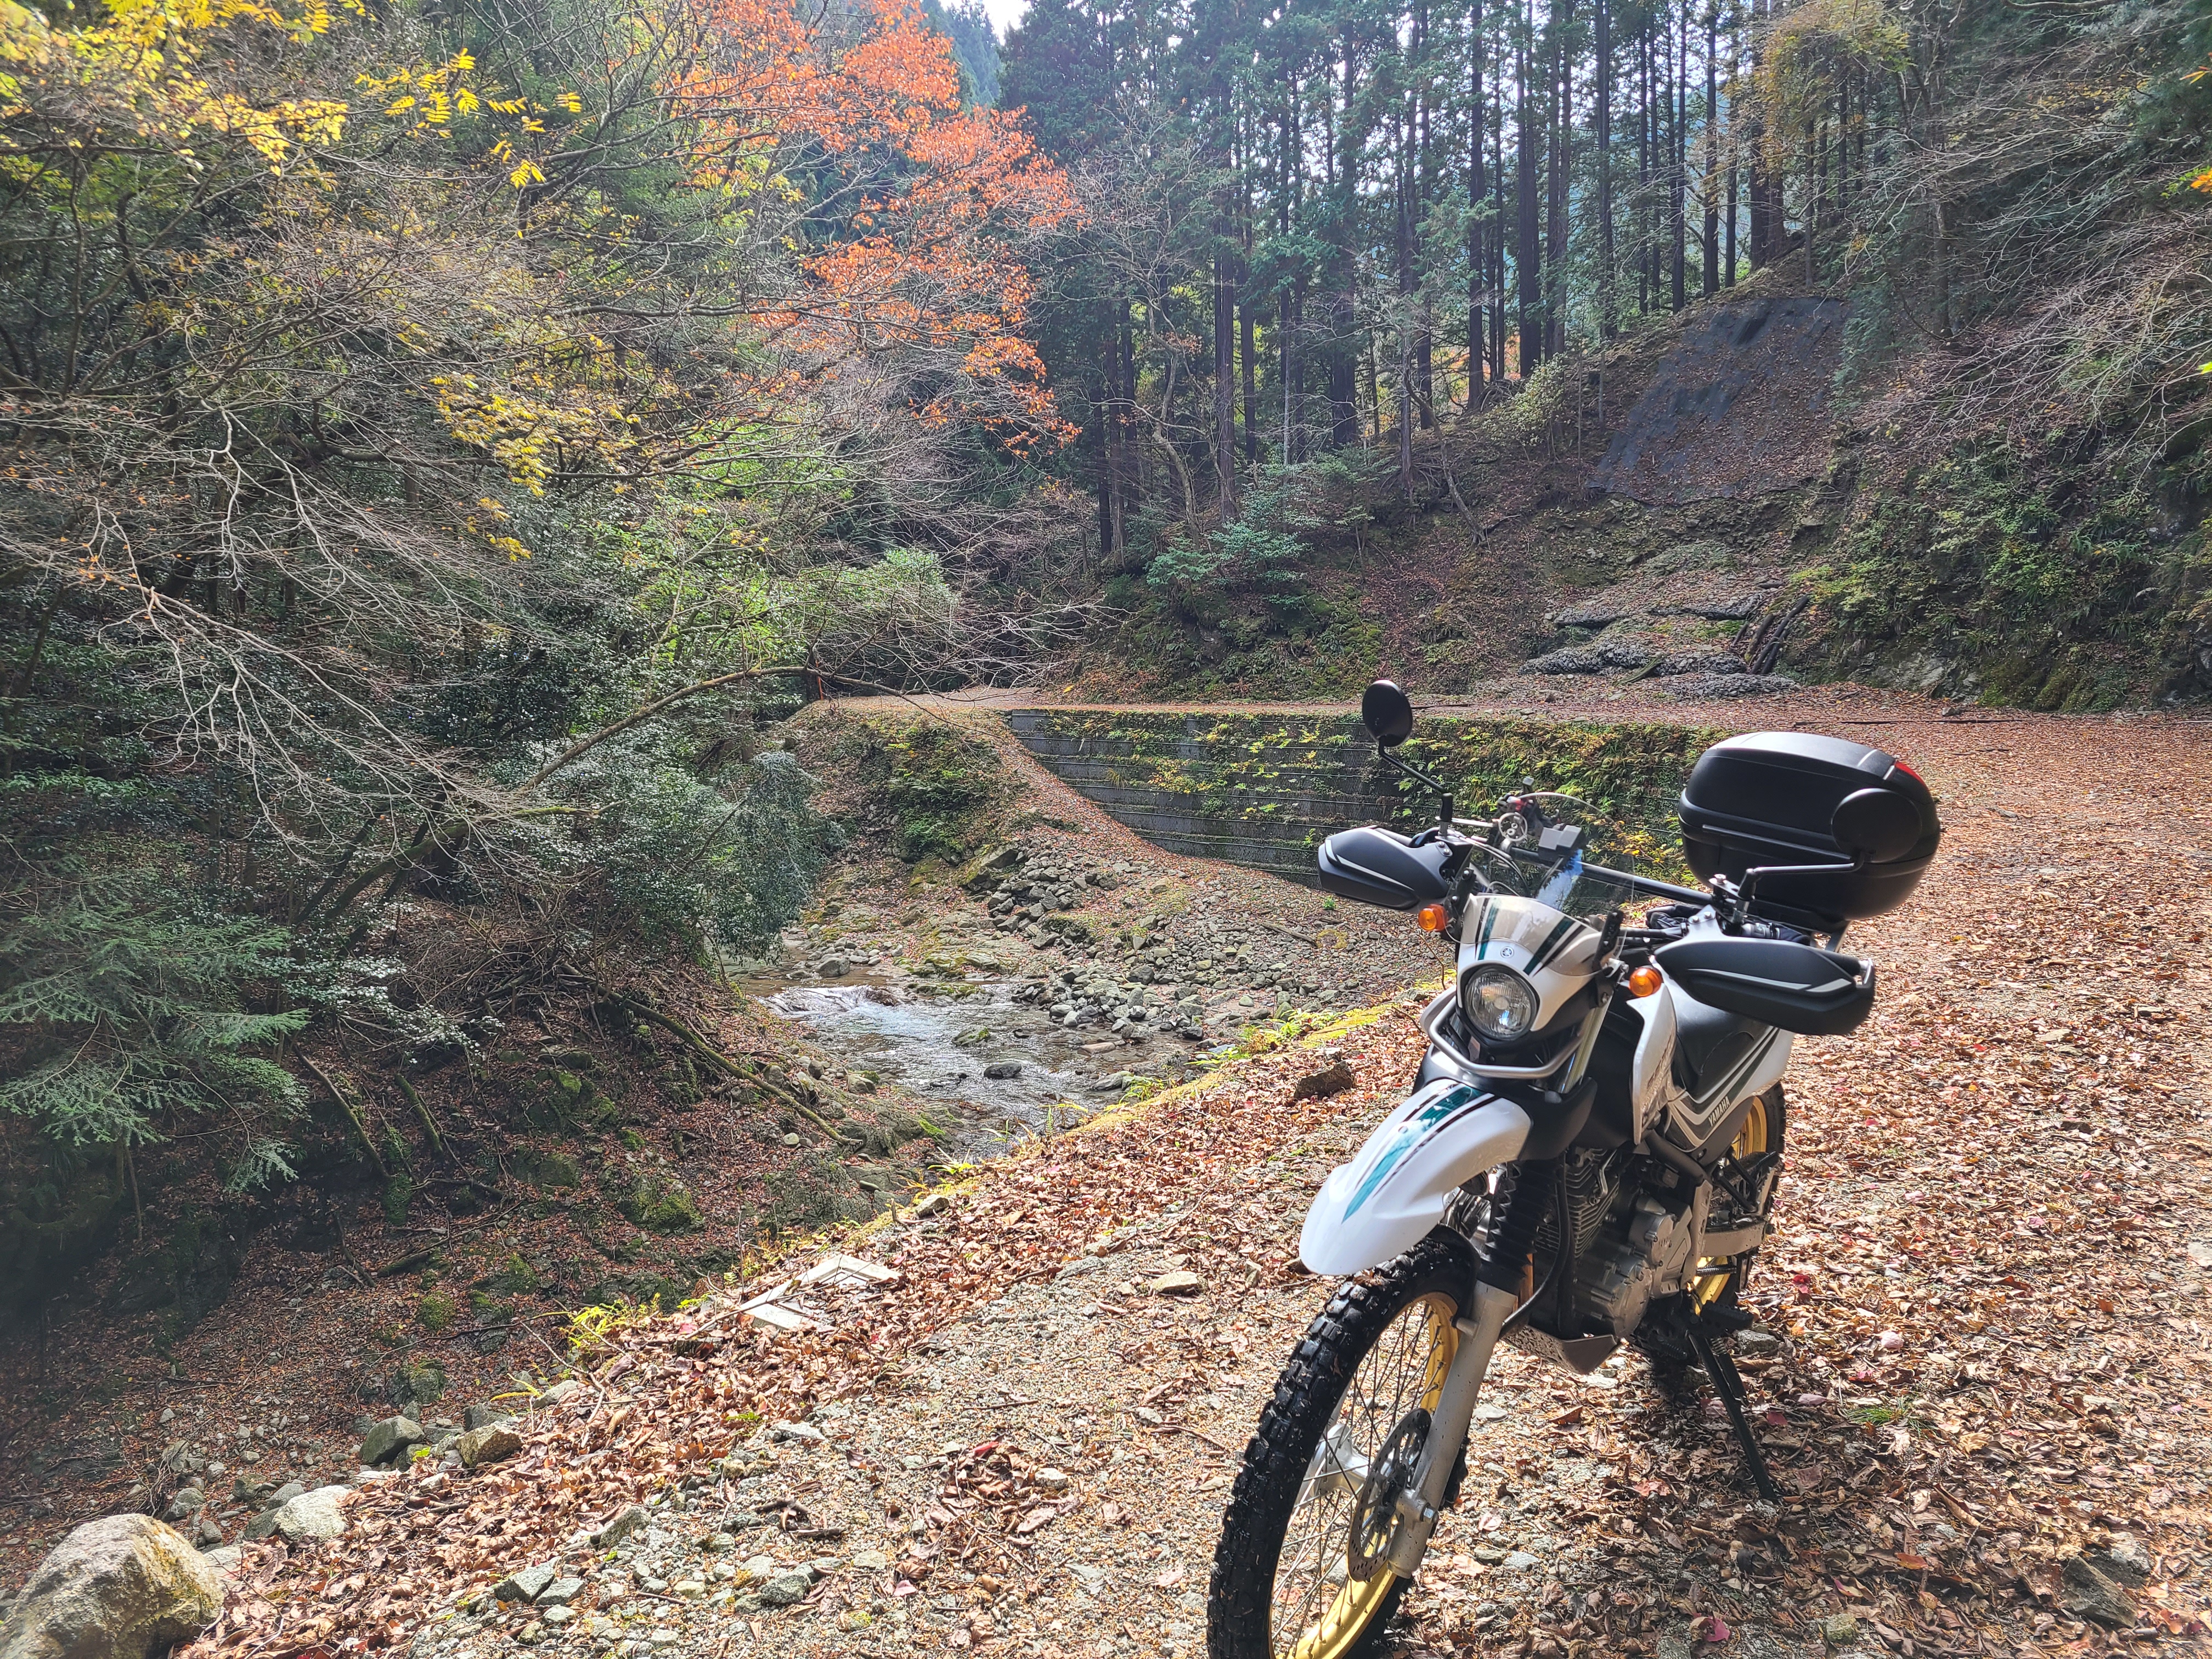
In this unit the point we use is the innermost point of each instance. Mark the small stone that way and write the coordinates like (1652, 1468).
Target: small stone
(1890, 1342)
(1518, 1561)
(1052, 1480)
(611, 1532)
(2091, 1596)
(561, 1592)
(386, 1441)
(1489, 1554)
(560, 1393)
(1839, 1629)
(122, 1586)
(758, 1569)
(1145, 1414)
(558, 1615)
(528, 1584)
(932, 1204)
(805, 1433)
(486, 1445)
(690, 1587)
(1181, 1282)
(999, 1070)
(317, 1514)
(482, 1416)
(1755, 1344)
(786, 1588)
(834, 967)
(871, 1561)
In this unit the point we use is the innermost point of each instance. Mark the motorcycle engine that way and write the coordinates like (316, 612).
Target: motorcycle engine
(1644, 1251)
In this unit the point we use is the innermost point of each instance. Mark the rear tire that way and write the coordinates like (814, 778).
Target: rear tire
(1253, 1589)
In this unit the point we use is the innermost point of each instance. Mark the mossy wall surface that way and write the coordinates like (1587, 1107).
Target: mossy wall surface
(1261, 790)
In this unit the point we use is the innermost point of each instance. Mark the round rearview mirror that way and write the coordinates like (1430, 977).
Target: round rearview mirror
(1877, 825)
(1387, 712)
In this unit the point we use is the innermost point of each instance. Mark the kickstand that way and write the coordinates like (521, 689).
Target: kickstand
(1729, 1386)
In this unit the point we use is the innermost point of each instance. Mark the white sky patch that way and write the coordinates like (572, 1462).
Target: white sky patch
(1005, 14)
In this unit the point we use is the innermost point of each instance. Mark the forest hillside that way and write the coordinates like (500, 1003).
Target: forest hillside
(1855, 339)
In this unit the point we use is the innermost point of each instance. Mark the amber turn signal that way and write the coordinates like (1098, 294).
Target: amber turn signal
(1433, 918)
(1644, 981)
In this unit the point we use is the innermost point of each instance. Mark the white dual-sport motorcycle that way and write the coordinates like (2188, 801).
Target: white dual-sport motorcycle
(1589, 1152)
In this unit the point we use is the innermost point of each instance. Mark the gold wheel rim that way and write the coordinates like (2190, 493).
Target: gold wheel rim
(1750, 1141)
(1310, 1617)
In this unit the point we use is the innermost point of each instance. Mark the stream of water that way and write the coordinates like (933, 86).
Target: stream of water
(943, 1050)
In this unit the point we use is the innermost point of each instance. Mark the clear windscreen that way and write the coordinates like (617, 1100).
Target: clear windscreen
(1565, 854)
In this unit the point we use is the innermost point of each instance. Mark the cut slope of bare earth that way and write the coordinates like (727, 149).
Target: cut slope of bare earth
(1984, 1350)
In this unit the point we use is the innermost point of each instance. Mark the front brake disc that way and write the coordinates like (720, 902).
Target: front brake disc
(1375, 1514)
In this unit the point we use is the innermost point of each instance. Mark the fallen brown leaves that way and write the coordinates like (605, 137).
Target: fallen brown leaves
(1986, 1347)
(666, 1399)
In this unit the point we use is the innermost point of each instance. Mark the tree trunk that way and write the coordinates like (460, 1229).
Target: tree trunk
(1709, 251)
(1678, 161)
(1224, 378)
(1478, 186)
(1609, 314)
(1524, 194)
(1562, 171)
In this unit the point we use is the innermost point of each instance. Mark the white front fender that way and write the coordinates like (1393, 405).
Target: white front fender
(1389, 1197)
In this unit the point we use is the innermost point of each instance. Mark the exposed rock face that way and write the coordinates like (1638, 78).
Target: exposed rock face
(122, 1586)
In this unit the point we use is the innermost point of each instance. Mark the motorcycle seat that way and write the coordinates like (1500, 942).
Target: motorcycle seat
(1708, 1042)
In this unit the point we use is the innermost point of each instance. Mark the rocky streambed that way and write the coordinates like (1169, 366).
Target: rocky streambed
(1039, 982)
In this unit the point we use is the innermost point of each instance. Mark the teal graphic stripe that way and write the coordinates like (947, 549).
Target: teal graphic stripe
(1410, 1134)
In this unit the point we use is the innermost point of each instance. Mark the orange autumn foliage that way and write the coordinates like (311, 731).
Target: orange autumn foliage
(930, 200)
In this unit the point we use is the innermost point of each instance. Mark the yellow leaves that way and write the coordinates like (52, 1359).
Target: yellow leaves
(525, 173)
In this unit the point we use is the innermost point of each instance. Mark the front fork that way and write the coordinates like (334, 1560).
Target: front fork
(1423, 1498)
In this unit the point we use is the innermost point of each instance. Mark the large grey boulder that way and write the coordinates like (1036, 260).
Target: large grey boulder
(122, 1586)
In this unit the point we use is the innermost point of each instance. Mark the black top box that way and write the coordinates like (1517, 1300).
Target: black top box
(1768, 797)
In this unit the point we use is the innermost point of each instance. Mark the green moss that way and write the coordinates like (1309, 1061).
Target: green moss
(2017, 578)
(659, 1204)
(546, 1168)
(436, 1312)
(515, 1277)
(933, 790)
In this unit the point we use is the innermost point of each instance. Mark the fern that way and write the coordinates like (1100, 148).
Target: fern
(129, 998)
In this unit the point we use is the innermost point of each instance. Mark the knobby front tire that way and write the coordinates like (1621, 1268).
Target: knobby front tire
(1391, 1333)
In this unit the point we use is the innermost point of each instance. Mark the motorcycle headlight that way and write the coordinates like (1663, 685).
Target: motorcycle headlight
(1501, 1004)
